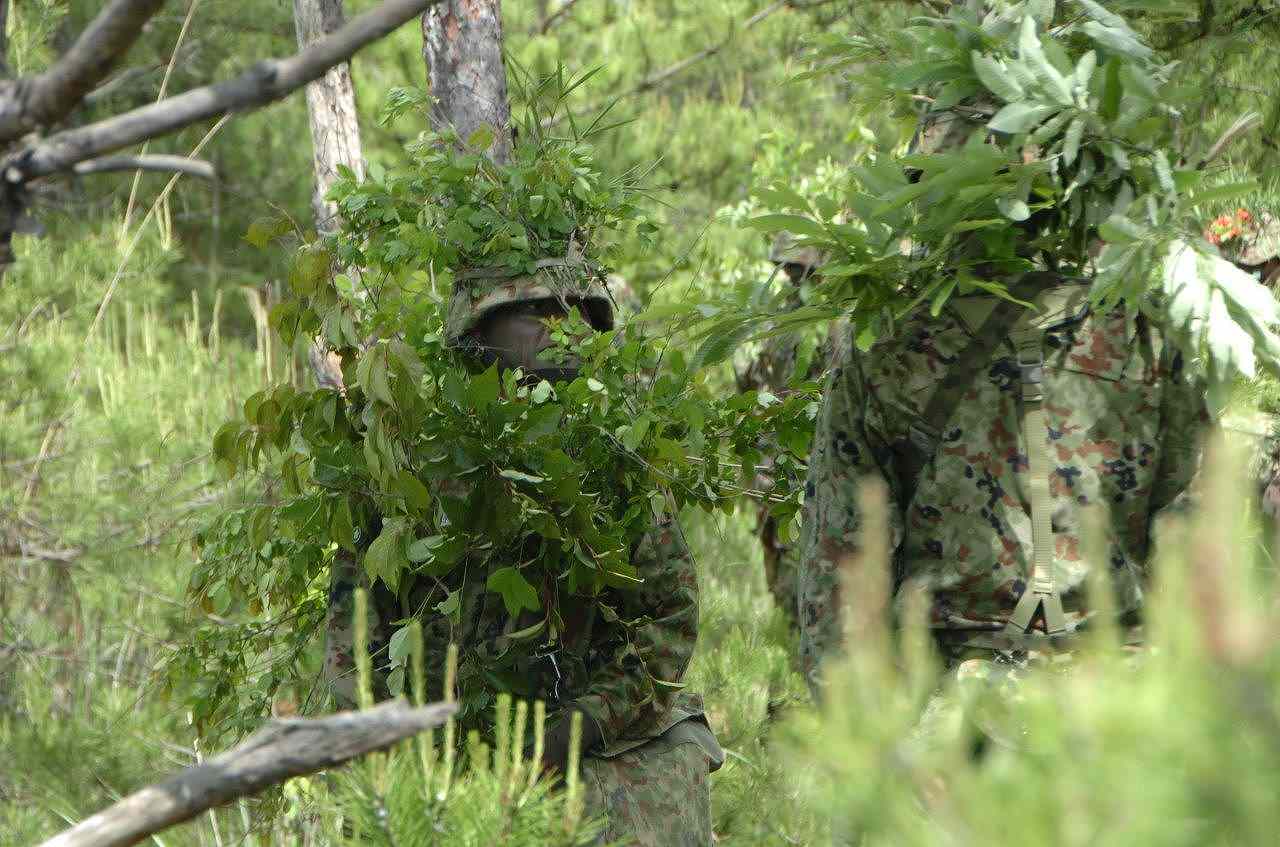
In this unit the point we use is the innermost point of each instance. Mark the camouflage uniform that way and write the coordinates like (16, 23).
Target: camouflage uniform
(1122, 424)
(649, 774)
(772, 370)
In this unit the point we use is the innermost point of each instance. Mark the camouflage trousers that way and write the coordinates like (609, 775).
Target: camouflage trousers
(657, 794)
(345, 576)
(781, 566)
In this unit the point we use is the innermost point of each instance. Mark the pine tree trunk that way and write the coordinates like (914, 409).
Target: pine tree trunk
(331, 102)
(462, 46)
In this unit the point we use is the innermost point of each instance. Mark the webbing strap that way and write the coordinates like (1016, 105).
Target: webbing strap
(1041, 592)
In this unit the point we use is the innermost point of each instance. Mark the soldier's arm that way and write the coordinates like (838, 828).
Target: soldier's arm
(845, 453)
(1184, 422)
(630, 685)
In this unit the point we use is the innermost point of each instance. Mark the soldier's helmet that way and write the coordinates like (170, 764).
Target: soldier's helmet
(478, 294)
(1246, 239)
(940, 130)
(786, 251)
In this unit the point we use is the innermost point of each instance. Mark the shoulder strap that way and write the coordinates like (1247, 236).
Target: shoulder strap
(960, 375)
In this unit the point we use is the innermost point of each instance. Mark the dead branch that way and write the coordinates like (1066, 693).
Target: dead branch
(657, 79)
(154, 162)
(47, 98)
(284, 749)
(555, 17)
(263, 83)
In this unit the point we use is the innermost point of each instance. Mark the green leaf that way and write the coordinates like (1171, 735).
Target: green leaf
(1120, 230)
(1084, 70)
(1222, 193)
(1071, 145)
(423, 549)
(996, 78)
(1032, 52)
(1122, 41)
(542, 422)
(1021, 117)
(451, 606)
(782, 197)
(342, 529)
(378, 386)
(541, 392)
(1112, 91)
(414, 492)
(481, 139)
(1163, 172)
(794, 224)
(517, 593)
(720, 342)
(1013, 208)
(398, 646)
(520, 476)
(635, 433)
(385, 557)
(482, 390)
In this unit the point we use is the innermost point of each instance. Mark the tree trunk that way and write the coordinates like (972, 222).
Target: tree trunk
(331, 102)
(462, 46)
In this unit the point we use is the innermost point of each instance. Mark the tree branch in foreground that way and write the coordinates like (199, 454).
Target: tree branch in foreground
(261, 84)
(153, 162)
(52, 95)
(284, 749)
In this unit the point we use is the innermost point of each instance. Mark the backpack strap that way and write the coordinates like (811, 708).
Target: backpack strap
(1041, 592)
(990, 331)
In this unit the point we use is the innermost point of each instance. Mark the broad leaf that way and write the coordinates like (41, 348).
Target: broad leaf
(517, 594)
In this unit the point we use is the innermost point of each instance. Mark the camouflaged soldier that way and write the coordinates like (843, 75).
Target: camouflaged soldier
(992, 426)
(648, 754)
(773, 370)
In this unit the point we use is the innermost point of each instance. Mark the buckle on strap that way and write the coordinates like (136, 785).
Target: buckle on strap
(1030, 358)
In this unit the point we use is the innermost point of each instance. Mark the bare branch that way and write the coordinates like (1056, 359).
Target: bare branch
(51, 96)
(263, 83)
(555, 17)
(654, 80)
(154, 162)
(284, 749)
(1247, 122)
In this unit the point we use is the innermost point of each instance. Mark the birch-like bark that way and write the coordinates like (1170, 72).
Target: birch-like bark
(331, 103)
(462, 46)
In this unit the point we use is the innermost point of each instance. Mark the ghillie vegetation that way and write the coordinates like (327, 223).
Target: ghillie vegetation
(143, 321)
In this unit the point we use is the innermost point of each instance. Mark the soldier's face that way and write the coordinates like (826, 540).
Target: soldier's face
(520, 337)
(796, 272)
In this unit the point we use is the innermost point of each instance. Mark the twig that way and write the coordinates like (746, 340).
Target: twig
(153, 162)
(51, 96)
(555, 17)
(1245, 123)
(164, 90)
(654, 80)
(281, 751)
(263, 83)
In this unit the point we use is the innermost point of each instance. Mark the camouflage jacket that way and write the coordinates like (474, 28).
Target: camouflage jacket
(1123, 425)
(619, 658)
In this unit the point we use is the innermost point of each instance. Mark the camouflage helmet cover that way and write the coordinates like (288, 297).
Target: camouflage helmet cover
(1246, 239)
(941, 130)
(477, 295)
(785, 251)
